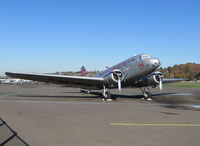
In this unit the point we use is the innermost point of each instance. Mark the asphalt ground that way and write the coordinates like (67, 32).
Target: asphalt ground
(52, 115)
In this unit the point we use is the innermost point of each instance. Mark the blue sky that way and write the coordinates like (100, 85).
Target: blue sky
(62, 35)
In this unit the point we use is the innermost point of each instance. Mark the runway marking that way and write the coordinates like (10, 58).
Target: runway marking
(167, 125)
(57, 102)
(8, 94)
(181, 94)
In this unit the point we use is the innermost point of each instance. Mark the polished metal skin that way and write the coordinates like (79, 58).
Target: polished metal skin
(137, 71)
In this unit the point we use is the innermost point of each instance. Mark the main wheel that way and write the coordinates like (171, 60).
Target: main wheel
(107, 95)
(148, 96)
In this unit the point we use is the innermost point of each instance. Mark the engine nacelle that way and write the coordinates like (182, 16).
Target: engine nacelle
(114, 77)
(151, 80)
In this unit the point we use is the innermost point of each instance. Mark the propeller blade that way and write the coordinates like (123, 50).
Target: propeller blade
(119, 85)
(160, 85)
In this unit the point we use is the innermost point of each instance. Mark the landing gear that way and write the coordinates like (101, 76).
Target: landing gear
(146, 93)
(106, 94)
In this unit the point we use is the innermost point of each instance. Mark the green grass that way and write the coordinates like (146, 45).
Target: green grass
(184, 84)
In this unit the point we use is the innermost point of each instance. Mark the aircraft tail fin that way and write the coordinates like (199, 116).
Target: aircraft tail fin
(83, 71)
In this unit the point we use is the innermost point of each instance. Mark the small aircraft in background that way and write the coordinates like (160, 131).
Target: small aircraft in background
(14, 81)
(137, 72)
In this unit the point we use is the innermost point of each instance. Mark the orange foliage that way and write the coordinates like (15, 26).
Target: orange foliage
(188, 70)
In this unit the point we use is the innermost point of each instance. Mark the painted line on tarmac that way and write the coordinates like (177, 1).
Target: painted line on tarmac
(181, 94)
(7, 94)
(167, 125)
(81, 102)
(46, 102)
(62, 102)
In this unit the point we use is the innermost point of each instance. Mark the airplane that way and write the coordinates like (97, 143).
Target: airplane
(9, 81)
(14, 81)
(137, 72)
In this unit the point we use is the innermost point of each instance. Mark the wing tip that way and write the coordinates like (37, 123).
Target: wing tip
(7, 73)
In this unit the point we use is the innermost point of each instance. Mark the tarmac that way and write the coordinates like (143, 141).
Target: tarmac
(52, 115)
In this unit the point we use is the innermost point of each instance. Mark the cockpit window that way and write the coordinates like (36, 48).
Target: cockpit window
(147, 56)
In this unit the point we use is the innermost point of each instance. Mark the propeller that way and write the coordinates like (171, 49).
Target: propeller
(161, 84)
(118, 75)
(119, 85)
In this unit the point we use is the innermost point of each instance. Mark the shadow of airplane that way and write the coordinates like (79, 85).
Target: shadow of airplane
(164, 99)
(96, 95)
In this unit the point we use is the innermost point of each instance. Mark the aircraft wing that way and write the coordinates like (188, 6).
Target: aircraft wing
(69, 81)
(165, 80)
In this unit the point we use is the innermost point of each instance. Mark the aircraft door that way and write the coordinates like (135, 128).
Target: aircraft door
(138, 59)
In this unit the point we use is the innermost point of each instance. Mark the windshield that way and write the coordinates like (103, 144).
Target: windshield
(147, 56)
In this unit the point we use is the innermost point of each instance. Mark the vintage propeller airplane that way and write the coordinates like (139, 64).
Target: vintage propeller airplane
(137, 72)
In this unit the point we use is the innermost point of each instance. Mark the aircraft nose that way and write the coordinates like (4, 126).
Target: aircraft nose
(155, 62)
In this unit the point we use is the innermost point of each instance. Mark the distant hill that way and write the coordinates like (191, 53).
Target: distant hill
(188, 70)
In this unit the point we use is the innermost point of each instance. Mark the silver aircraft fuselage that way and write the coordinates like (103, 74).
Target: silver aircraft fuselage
(133, 68)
